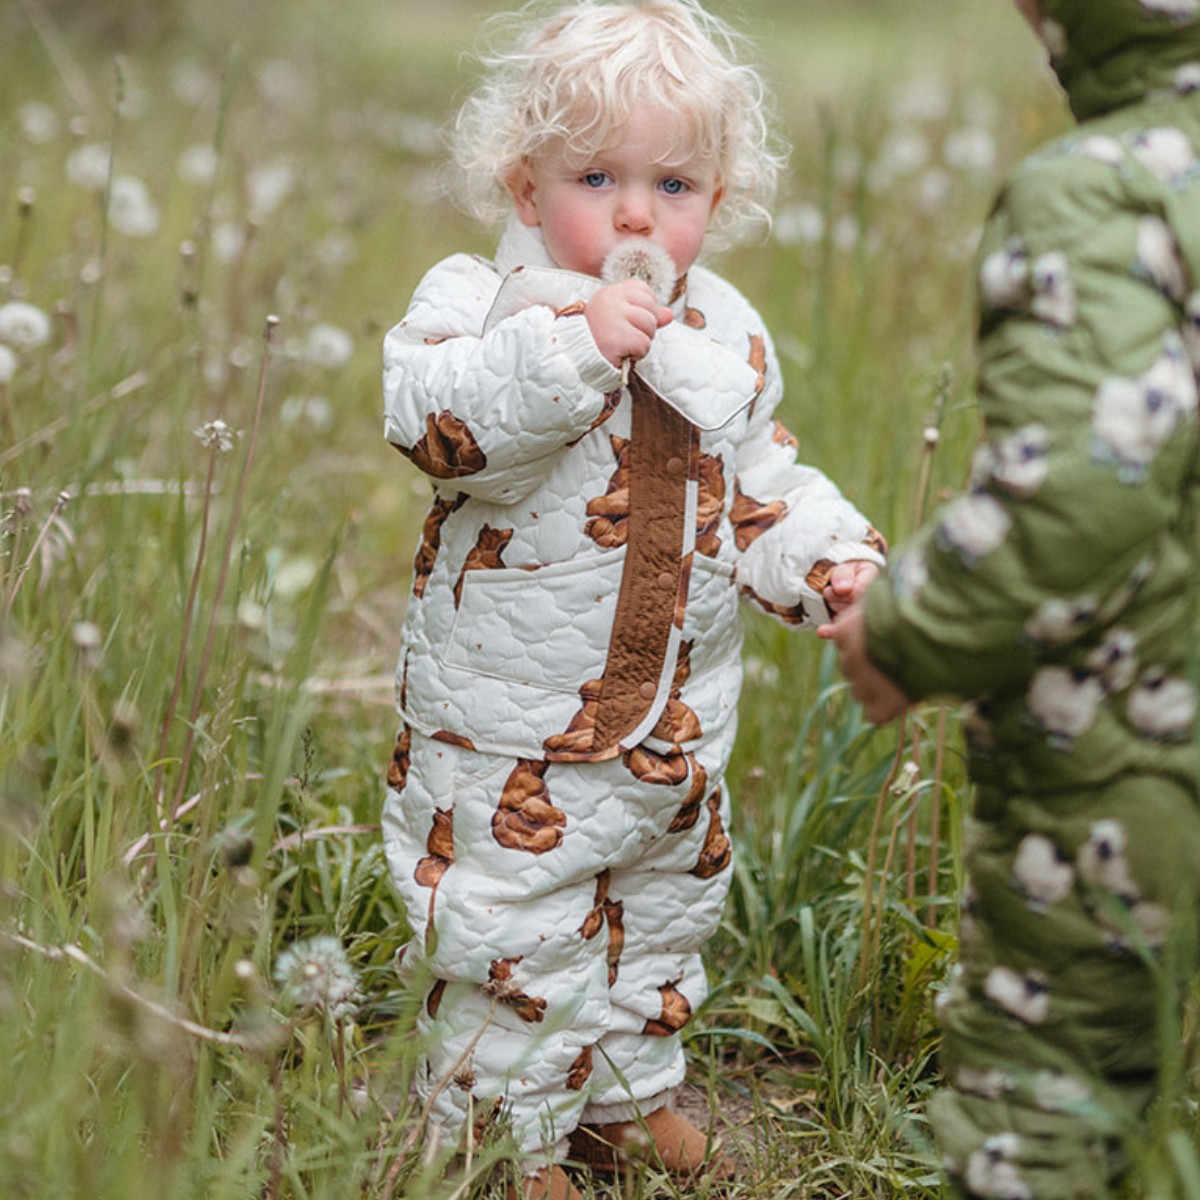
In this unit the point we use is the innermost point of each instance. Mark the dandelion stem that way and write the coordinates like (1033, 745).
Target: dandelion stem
(60, 502)
(226, 557)
(873, 853)
(76, 955)
(185, 635)
(414, 1134)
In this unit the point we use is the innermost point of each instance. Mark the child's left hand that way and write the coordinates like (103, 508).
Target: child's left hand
(847, 582)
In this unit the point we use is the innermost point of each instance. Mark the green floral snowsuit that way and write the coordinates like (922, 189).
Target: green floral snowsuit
(1057, 596)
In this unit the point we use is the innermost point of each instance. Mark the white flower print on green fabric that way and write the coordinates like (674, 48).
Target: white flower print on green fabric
(1024, 995)
(1133, 419)
(973, 526)
(1063, 703)
(1166, 153)
(1161, 706)
(1180, 10)
(1054, 299)
(1059, 620)
(1041, 873)
(1157, 258)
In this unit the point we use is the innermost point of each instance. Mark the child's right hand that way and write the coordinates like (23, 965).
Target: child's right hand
(623, 318)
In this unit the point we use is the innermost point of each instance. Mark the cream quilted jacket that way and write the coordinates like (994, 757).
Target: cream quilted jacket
(576, 588)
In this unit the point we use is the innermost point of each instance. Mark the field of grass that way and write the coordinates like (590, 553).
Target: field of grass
(209, 215)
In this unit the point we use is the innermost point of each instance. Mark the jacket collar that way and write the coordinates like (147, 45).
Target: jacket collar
(523, 246)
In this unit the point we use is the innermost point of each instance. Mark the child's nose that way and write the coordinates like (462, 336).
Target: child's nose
(635, 213)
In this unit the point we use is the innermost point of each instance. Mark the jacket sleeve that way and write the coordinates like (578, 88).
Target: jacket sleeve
(489, 411)
(792, 525)
(1085, 389)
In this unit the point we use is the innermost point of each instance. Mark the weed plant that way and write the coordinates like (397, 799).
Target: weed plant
(206, 224)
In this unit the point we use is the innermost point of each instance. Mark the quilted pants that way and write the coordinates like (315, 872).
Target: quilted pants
(558, 912)
(1051, 1029)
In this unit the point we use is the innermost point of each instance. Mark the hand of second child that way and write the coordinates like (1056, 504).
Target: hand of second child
(880, 698)
(847, 582)
(623, 318)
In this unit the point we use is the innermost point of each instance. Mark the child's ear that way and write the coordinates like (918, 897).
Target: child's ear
(521, 188)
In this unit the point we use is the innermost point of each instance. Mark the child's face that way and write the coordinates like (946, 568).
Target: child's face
(584, 209)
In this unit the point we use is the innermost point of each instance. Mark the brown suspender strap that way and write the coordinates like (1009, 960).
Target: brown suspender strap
(662, 445)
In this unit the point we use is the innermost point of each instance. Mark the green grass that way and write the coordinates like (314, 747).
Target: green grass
(196, 645)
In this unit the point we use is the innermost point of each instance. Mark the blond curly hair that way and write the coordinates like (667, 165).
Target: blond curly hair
(572, 75)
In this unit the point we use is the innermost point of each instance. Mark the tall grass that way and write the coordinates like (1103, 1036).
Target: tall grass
(205, 556)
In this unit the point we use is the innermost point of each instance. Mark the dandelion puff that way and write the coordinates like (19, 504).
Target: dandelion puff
(8, 365)
(23, 326)
(130, 209)
(316, 974)
(39, 122)
(215, 435)
(87, 167)
(328, 346)
(197, 164)
(640, 258)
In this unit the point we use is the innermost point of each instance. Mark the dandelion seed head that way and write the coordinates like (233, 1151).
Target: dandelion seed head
(316, 974)
(197, 164)
(23, 326)
(38, 121)
(640, 258)
(245, 971)
(130, 210)
(312, 412)
(267, 187)
(87, 167)
(86, 637)
(328, 346)
(215, 435)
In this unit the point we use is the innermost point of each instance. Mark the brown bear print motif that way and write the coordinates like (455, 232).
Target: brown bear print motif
(716, 853)
(675, 1014)
(678, 722)
(433, 1001)
(397, 774)
(431, 540)
(758, 360)
(608, 515)
(752, 518)
(710, 504)
(611, 913)
(580, 1071)
(500, 987)
(575, 743)
(487, 554)
(526, 819)
(438, 859)
(448, 450)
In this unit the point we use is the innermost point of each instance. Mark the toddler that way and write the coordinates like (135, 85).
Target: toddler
(1058, 596)
(596, 412)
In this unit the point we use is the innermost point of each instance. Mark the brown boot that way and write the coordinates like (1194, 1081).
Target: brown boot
(664, 1137)
(551, 1184)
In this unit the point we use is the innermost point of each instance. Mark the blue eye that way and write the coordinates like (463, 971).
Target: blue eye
(595, 179)
(674, 187)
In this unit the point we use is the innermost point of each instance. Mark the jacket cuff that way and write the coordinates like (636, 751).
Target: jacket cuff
(574, 338)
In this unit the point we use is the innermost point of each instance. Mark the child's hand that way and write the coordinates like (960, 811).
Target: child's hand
(847, 582)
(881, 699)
(623, 318)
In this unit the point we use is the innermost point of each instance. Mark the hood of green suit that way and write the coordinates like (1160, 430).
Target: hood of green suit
(1110, 53)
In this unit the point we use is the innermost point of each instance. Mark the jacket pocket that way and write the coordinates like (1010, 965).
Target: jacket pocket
(547, 627)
